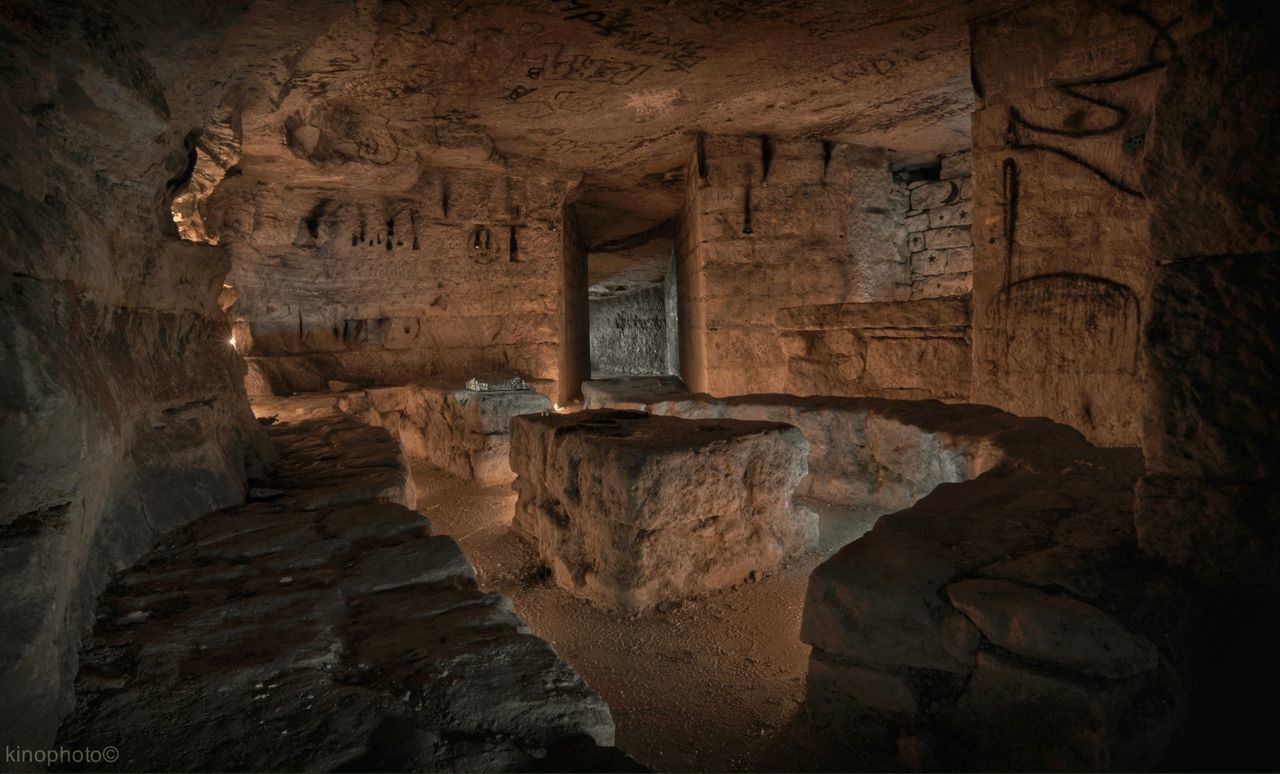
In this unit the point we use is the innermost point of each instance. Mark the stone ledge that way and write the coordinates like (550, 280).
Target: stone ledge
(934, 313)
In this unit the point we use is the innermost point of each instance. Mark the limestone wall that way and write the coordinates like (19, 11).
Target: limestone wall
(1063, 261)
(459, 274)
(911, 349)
(629, 333)
(938, 224)
(770, 224)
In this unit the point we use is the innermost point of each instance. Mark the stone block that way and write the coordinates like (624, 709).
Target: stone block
(1053, 627)
(953, 236)
(960, 214)
(1021, 717)
(917, 223)
(956, 165)
(950, 260)
(630, 510)
(836, 685)
(934, 193)
(464, 432)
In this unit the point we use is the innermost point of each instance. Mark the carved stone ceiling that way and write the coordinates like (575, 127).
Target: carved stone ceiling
(612, 93)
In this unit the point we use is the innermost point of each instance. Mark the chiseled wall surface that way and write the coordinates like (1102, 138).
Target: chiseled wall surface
(938, 220)
(770, 224)
(459, 274)
(1063, 263)
(629, 333)
(904, 349)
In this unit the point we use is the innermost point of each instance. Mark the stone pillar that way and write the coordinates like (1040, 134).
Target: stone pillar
(770, 224)
(1063, 261)
(575, 333)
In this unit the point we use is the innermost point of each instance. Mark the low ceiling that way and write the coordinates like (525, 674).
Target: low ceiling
(611, 93)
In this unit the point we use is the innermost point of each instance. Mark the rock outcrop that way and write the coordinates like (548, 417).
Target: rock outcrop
(122, 413)
(1009, 622)
(631, 510)
(322, 627)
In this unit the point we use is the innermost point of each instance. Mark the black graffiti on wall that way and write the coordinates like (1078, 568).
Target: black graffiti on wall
(399, 228)
(1009, 192)
(1100, 118)
(1099, 115)
(549, 62)
(1101, 317)
(679, 54)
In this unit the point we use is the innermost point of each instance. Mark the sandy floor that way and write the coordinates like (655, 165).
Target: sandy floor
(712, 685)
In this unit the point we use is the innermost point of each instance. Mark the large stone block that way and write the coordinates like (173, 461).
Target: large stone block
(1053, 628)
(631, 510)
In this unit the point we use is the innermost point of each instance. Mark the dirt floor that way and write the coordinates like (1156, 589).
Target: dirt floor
(713, 684)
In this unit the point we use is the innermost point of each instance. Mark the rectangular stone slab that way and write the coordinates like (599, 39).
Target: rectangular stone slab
(631, 510)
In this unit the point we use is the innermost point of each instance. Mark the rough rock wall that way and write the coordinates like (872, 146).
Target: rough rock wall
(904, 349)
(629, 333)
(122, 413)
(770, 224)
(1215, 223)
(457, 275)
(1063, 261)
(937, 223)
(1209, 502)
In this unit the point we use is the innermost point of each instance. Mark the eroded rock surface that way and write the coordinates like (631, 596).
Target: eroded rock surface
(631, 510)
(323, 627)
(1007, 622)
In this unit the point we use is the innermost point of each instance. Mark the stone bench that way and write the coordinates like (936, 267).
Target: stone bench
(441, 422)
(630, 510)
(459, 430)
